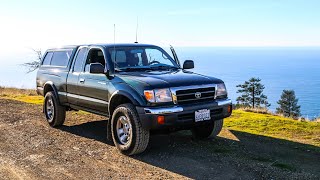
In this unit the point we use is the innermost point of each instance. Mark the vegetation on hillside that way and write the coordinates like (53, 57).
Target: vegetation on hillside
(24, 95)
(275, 126)
(252, 99)
(288, 104)
(252, 94)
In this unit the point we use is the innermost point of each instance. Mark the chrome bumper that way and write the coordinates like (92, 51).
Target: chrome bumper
(176, 109)
(224, 102)
(168, 110)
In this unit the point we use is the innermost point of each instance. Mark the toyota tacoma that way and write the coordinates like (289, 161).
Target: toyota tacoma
(140, 88)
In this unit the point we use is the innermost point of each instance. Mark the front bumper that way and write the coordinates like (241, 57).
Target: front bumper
(182, 117)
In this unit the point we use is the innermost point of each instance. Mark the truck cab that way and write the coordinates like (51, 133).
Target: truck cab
(140, 88)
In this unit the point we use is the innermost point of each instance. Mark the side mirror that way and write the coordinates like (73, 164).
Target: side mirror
(96, 68)
(188, 64)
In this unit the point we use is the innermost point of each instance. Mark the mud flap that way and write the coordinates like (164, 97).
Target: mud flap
(109, 134)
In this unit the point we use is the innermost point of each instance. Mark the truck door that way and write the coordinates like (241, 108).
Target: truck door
(73, 76)
(93, 88)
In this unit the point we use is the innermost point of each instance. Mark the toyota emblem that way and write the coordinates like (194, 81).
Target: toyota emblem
(197, 95)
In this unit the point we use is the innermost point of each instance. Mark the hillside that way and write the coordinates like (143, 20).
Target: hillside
(251, 146)
(275, 126)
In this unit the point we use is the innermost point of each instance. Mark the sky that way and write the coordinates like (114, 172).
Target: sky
(42, 24)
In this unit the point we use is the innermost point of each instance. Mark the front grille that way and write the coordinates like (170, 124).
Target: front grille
(187, 96)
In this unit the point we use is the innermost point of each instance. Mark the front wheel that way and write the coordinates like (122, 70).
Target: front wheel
(127, 133)
(203, 132)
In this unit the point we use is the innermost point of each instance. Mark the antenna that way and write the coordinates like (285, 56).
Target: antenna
(114, 34)
(114, 45)
(137, 30)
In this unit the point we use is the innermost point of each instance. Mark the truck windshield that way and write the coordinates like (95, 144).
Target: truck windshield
(141, 58)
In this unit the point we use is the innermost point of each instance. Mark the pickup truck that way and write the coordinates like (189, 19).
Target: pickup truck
(140, 88)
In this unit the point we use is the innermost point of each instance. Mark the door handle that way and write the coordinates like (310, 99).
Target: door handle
(81, 80)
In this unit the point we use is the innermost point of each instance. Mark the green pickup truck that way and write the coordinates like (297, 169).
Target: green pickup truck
(140, 88)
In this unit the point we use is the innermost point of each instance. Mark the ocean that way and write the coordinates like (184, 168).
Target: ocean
(280, 68)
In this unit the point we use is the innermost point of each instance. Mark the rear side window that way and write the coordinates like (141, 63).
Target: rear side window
(47, 59)
(61, 58)
(78, 64)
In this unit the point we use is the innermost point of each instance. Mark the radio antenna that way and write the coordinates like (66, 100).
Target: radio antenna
(137, 30)
(114, 33)
(114, 45)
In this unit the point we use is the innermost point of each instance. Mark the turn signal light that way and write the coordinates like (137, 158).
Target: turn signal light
(149, 94)
(160, 119)
(229, 109)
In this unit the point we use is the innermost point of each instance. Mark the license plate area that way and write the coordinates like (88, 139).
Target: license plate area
(202, 115)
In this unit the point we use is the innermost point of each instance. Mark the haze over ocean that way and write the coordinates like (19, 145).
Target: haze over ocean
(278, 67)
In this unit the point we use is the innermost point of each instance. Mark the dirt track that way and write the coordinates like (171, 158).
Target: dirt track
(30, 149)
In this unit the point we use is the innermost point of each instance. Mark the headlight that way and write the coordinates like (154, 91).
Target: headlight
(158, 95)
(163, 95)
(221, 90)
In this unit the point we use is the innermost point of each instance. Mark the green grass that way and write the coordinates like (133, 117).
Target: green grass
(274, 126)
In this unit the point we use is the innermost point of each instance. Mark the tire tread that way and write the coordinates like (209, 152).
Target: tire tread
(142, 135)
(59, 111)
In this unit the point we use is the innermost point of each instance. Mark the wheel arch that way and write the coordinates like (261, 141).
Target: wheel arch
(120, 97)
(49, 86)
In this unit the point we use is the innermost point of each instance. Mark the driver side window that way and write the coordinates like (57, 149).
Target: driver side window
(95, 56)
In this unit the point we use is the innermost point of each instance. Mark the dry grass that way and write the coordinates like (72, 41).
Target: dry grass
(24, 95)
(15, 91)
(255, 110)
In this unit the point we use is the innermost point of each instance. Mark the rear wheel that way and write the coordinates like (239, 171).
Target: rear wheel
(55, 113)
(203, 132)
(127, 133)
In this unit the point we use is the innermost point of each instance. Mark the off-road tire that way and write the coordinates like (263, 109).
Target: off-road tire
(59, 112)
(139, 137)
(203, 132)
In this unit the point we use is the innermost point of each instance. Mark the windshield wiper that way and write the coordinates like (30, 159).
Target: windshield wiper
(134, 69)
(137, 68)
(162, 67)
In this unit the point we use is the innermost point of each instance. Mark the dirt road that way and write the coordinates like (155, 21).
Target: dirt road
(30, 149)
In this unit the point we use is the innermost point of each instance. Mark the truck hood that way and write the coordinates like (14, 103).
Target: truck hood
(164, 79)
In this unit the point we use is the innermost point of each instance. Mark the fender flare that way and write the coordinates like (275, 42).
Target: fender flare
(126, 94)
(55, 91)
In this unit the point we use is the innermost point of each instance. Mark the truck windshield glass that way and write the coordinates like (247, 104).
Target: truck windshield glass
(140, 58)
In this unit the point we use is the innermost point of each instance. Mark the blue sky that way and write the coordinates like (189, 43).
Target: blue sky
(42, 24)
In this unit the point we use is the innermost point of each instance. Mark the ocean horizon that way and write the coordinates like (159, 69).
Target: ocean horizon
(279, 68)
